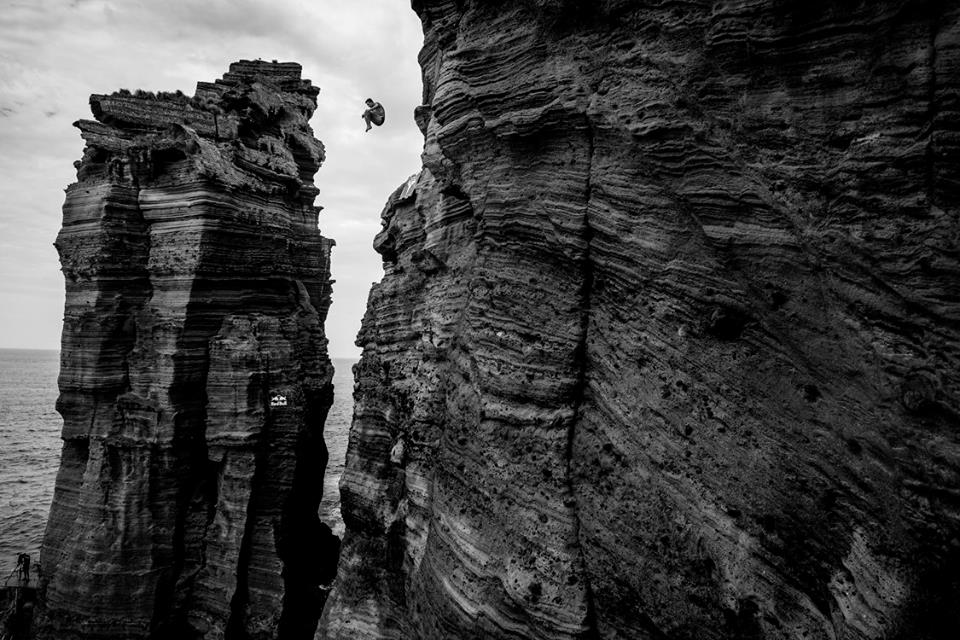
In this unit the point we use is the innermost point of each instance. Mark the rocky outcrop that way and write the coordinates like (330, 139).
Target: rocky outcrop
(194, 379)
(668, 341)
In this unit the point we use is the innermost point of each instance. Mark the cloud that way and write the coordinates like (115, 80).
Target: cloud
(55, 53)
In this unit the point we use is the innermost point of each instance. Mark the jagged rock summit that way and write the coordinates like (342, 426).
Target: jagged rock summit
(194, 377)
(668, 341)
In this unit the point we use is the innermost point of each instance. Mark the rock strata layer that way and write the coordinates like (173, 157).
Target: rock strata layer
(668, 341)
(194, 378)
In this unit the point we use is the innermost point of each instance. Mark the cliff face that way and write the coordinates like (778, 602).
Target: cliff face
(194, 376)
(668, 342)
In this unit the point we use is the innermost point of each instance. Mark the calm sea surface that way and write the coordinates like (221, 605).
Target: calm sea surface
(30, 448)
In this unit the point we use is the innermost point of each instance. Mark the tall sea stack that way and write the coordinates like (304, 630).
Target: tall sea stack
(194, 377)
(668, 342)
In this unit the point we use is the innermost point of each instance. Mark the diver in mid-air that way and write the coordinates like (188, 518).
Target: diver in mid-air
(374, 113)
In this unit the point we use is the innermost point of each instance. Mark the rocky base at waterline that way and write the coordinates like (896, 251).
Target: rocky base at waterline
(194, 376)
(668, 341)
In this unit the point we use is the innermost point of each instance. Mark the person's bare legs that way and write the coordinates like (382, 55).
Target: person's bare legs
(366, 118)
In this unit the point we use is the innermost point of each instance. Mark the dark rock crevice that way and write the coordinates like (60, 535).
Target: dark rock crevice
(930, 131)
(236, 627)
(581, 357)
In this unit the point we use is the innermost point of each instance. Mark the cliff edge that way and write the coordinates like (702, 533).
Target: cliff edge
(668, 341)
(194, 377)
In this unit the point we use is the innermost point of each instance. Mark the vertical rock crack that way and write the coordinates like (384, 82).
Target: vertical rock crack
(582, 359)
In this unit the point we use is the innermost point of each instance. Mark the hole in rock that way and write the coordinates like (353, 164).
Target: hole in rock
(726, 323)
(811, 393)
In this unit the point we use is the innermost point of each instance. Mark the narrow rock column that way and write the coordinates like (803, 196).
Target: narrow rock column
(194, 376)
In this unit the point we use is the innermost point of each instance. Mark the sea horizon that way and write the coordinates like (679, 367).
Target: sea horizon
(30, 445)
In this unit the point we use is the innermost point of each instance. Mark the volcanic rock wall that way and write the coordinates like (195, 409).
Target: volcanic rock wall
(668, 342)
(194, 376)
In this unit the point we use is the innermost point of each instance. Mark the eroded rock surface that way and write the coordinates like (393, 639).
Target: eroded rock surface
(667, 342)
(194, 376)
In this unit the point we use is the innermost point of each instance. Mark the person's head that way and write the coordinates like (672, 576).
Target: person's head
(370, 102)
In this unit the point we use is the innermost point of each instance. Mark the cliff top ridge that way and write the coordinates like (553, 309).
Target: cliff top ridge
(248, 129)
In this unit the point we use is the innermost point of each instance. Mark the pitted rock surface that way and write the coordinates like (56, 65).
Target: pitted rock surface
(667, 343)
(197, 287)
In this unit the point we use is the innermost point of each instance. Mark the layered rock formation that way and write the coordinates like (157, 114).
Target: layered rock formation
(668, 340)
(194, 377)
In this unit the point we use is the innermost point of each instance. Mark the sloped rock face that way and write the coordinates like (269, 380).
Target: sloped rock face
(194, 377)
(667, 342)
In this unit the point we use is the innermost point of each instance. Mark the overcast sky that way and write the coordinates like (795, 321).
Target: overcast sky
(55, 53)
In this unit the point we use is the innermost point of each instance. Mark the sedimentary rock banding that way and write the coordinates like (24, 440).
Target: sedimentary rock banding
(197, 287)
(666, 344)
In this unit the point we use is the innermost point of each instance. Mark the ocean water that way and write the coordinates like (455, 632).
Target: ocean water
(336, 432)
(30, 448)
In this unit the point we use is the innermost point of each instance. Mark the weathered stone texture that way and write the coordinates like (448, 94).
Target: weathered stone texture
(668, 339)
(197, 286)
